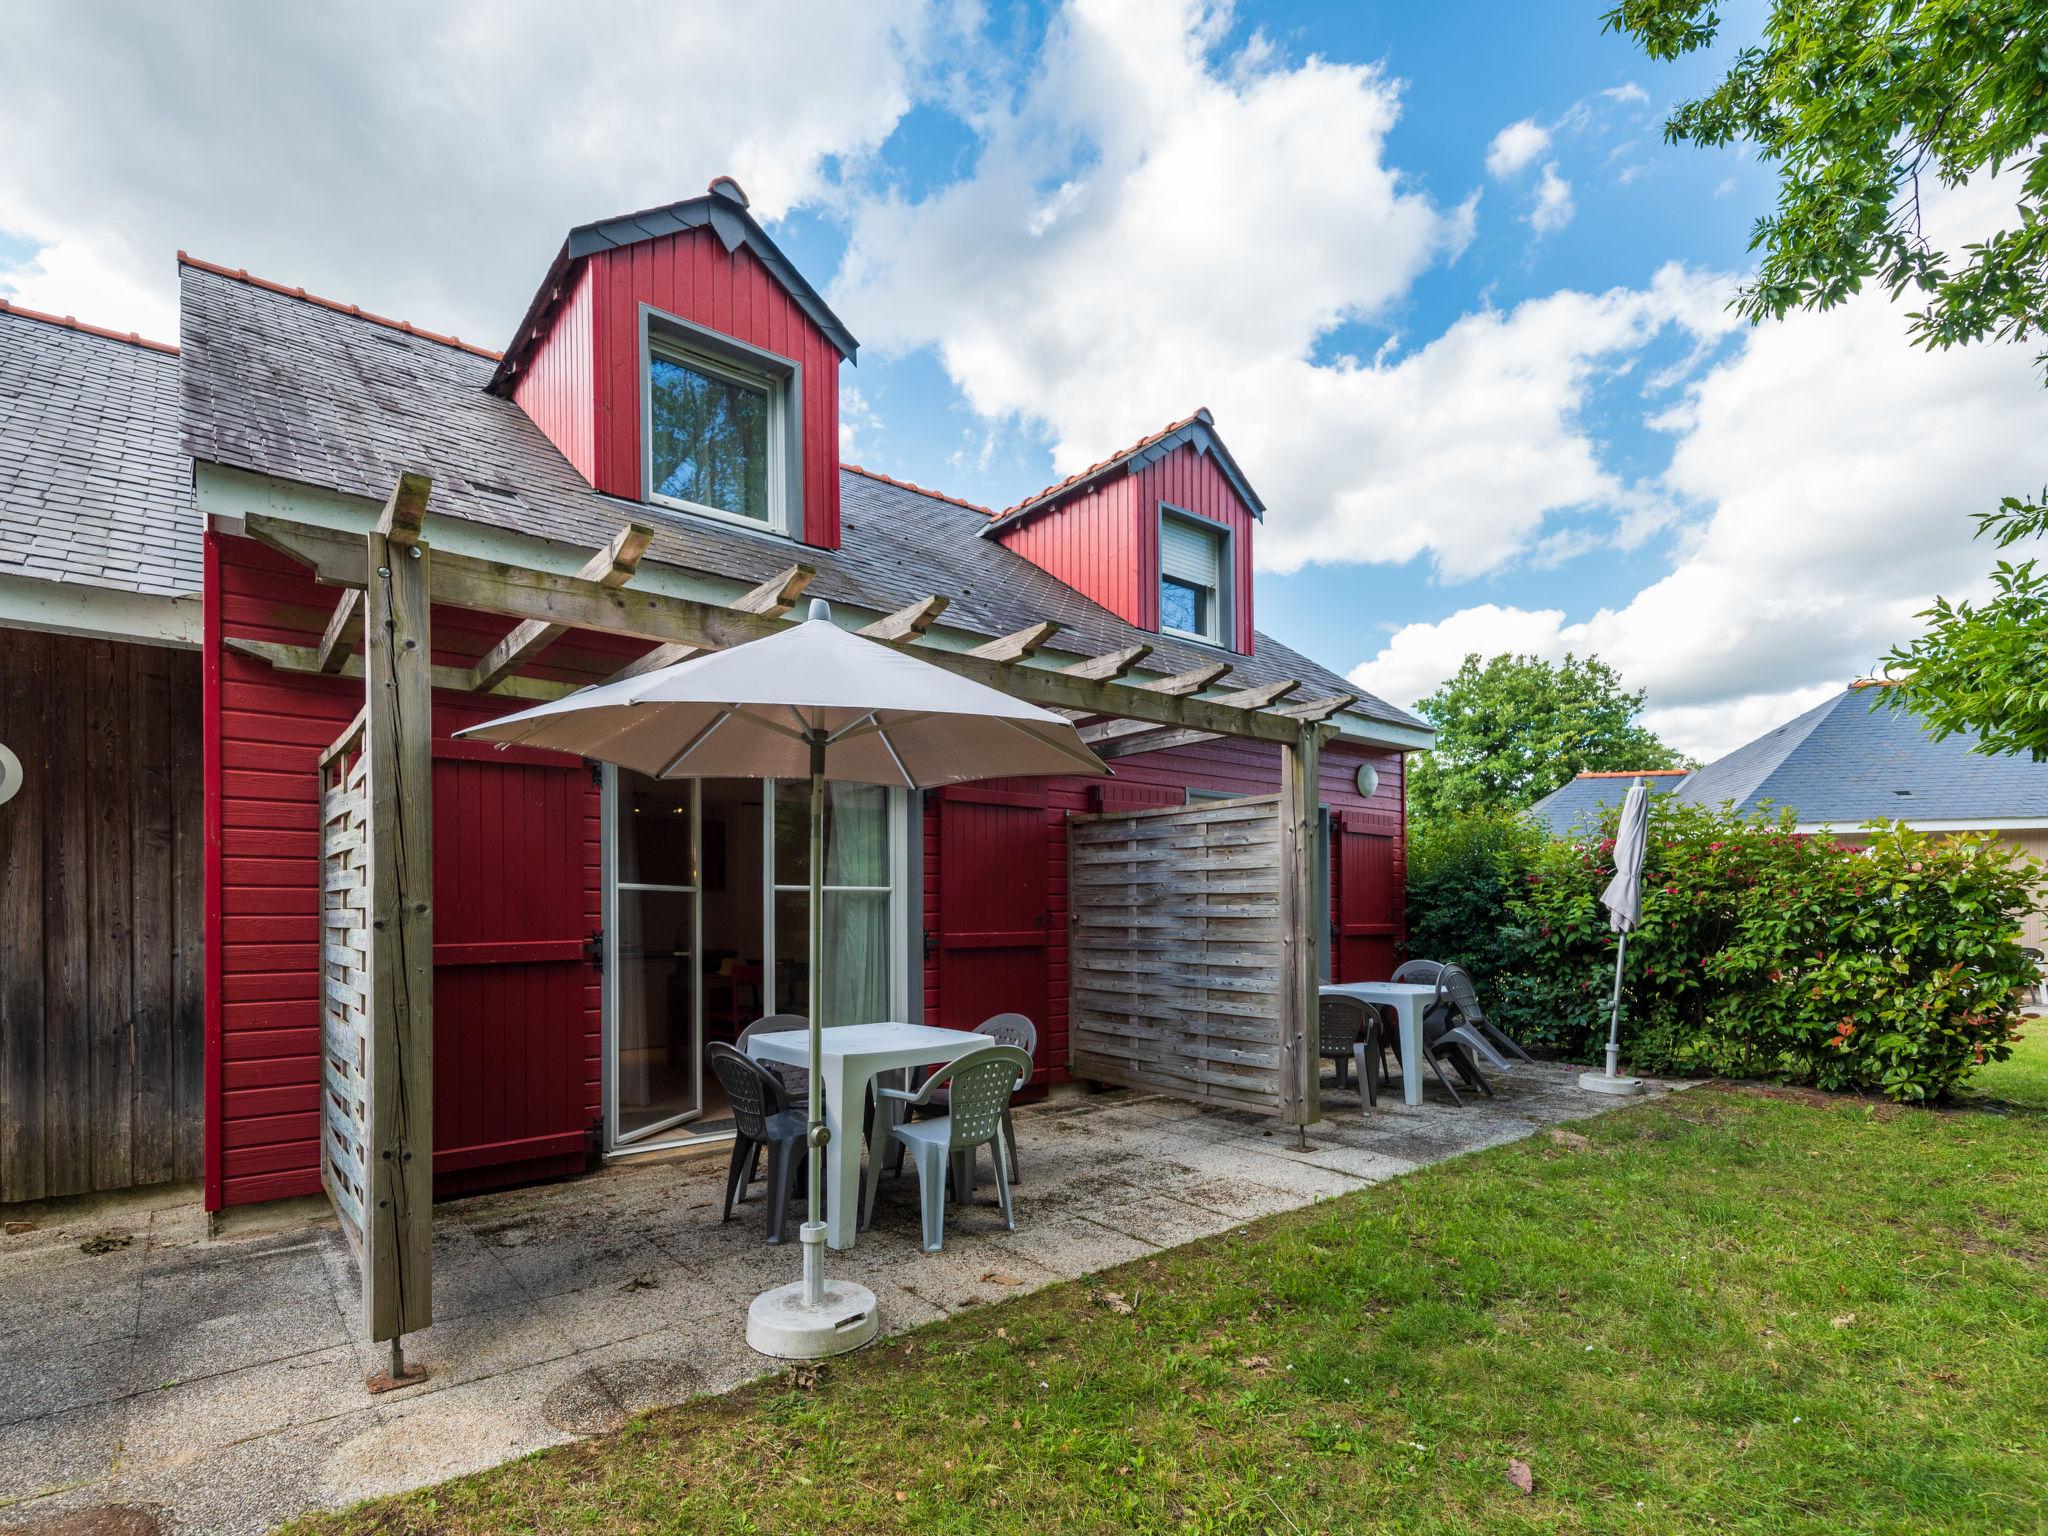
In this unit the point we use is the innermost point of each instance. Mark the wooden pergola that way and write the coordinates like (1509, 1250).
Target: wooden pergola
(377, 833)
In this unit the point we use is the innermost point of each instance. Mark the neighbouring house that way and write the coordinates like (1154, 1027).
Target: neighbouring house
(101, 973)
(1839, 766)
(670, 400)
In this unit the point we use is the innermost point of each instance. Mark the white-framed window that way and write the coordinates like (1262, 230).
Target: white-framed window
(722, 426)
(1194, 597)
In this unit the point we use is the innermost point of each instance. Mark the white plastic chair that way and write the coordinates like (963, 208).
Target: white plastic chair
(978, 1087)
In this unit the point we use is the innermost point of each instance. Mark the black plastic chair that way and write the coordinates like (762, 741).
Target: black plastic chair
(1422, 973)
(762, 1122)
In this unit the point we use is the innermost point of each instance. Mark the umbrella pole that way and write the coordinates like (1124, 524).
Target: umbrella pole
(1614, 1013)
(814, 1229)
(813, 1317)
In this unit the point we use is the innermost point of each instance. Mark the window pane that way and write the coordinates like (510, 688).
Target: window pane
(710, 439)
(856, 833)
(654, 831)
(656, 1073)
(855, 986)
(1184, 606)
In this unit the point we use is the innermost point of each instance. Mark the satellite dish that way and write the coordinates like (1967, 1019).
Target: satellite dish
(10, 775)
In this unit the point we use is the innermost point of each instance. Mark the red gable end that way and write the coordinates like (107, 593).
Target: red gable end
(1100, 531)
(701, 275)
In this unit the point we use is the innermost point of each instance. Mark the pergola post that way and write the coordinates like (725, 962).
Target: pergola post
(1300, 1074)
(400, 829)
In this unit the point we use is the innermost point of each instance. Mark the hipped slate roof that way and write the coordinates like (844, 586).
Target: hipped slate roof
(279, 386)
(93, 488)
(1576, 806)
(1845, 762)
(1840, 764)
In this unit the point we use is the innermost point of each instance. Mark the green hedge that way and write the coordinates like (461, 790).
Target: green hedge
(1761, 953)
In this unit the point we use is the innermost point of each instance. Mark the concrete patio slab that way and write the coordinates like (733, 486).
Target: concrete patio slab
(215, 1383)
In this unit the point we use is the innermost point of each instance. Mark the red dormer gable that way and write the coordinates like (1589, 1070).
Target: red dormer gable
(1109, 531)
(699, 281)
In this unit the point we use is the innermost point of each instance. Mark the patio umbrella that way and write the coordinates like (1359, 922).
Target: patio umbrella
(1623, 900)
(810, 702)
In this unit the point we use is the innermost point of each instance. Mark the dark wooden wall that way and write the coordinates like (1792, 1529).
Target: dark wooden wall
(102, 1014)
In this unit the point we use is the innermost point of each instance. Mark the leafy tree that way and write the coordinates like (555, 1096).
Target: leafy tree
(1861, 105)
(1513, 728)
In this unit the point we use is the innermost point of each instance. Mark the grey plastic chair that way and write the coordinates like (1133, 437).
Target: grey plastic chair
(1447, 1037)
(1007, 1029)
(762, 1122)
(795, 1080)
(1422, 973)
(1348, 1033)
(1457, 983)
(978, 1086)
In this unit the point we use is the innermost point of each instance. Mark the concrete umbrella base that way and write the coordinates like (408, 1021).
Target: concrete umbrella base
(780, 1324)
(1600, 1082)
(811, 1318)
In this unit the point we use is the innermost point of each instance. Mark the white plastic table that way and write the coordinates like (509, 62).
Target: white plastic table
(853, 1055)
(1407, 999)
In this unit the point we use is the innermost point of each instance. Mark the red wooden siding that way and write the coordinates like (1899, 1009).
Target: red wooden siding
(994, 935)
(265, 730)
(694, 277)
(1004, 869)
(1367, 889)
(557, 387)
(1104, 542)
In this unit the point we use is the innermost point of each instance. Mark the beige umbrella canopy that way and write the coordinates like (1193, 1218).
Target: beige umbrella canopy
(811, 702)
(758, 711)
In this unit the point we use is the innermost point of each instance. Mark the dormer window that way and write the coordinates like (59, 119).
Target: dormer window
(722, 434)
(1193, 594)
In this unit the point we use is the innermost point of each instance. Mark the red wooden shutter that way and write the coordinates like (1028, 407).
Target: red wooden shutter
(1368, 896)
(995, 909)
(511, 982)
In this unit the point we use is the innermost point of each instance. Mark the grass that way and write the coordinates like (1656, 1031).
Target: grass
(2022, 1078)
(1729, 1310)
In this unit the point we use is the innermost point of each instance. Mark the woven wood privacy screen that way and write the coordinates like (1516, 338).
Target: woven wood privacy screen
(345, 985)
(1175, 956)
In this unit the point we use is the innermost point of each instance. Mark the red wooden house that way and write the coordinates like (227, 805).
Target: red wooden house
(593, 929)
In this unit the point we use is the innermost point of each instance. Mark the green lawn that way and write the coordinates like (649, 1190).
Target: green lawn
(2023, 1077)
(1728, 1310)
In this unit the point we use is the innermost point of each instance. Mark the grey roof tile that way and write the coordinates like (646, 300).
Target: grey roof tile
(90, 467)
(1574, 807)
(280, 386)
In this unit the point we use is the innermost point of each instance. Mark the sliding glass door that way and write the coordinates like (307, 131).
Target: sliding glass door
(657, 1056)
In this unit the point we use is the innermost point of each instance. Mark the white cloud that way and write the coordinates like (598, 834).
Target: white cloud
(1149, 229)
(421, 160)
(1834, 466)
(1627, 94)
(1553, 208)
(1515, 147)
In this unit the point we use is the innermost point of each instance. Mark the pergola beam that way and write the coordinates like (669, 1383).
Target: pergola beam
(405, 510)
(1193, 681)
(1108, 667)
(1019, 645)
(344, 633)
(489, 586)
(1259, 697)
(773, 598)
(908, 622)
(612, 566)
(303, 658)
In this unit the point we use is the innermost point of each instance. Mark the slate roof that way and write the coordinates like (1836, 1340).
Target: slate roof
(1842, 763)
(93, 488)
(277, 385)
(1575, 807)
(1845, 762)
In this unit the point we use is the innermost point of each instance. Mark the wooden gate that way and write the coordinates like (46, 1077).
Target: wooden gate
(1177, 953)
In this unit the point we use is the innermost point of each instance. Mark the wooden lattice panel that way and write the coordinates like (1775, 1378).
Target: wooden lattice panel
(1176, 954)
(345, 981)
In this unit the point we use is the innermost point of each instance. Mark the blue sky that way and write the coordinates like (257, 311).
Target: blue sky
(1459, 311)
